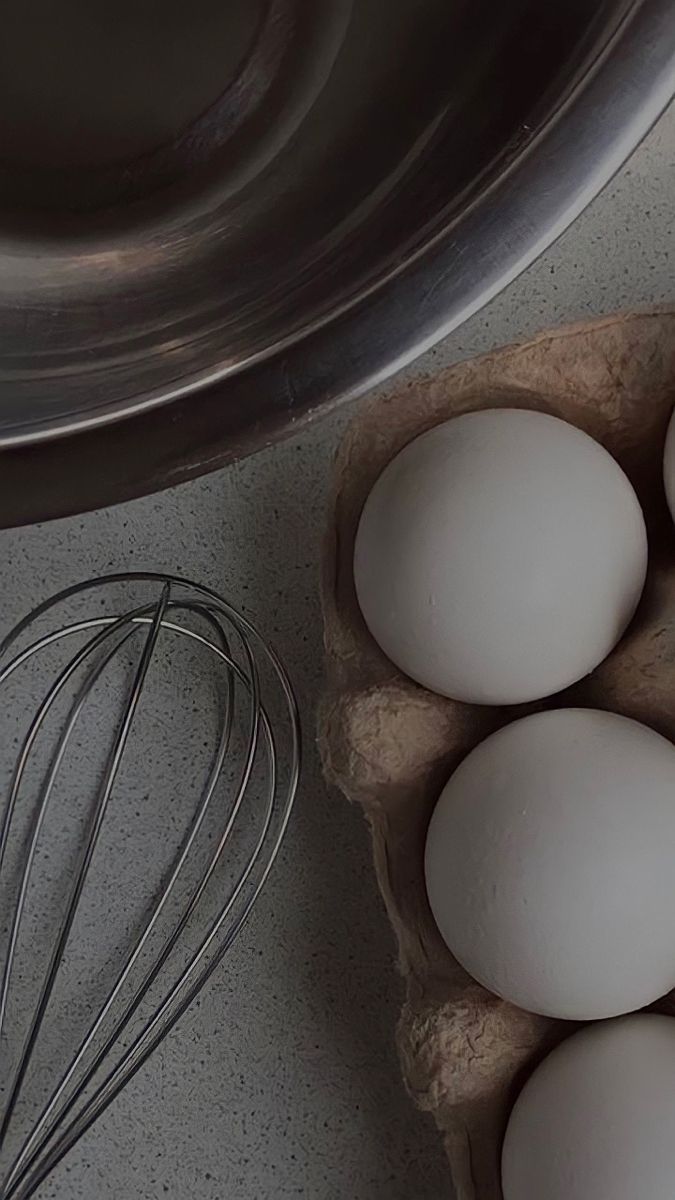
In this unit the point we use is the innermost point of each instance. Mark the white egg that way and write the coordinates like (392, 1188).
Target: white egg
(596, 1121)
(500, 556)
(669, 466)
(550, 864)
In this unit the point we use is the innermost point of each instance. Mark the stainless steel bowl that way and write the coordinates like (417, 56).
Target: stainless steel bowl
(218, 218)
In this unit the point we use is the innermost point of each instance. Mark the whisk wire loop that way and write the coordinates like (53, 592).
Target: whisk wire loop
(264, 765)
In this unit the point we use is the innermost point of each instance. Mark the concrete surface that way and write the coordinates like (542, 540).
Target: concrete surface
(284, 1081)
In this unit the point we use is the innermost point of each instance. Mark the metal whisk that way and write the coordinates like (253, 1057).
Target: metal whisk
(100, 949)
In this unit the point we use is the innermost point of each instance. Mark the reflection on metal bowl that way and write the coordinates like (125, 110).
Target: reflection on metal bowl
(216, 219)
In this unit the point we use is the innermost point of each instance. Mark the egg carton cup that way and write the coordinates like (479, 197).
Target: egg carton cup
(390, 745)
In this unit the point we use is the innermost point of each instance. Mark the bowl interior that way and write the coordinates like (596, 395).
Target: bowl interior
(187, 188)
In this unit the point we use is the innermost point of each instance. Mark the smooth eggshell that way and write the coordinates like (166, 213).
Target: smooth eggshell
(596, 1121)
(550, 864)
(500, 556)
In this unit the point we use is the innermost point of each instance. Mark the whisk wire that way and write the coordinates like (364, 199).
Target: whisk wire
(24, 1162)
(57, 952)
(145, 1043)
(99, 811)
(154, 1032)
(68, 1112)
(10, 808)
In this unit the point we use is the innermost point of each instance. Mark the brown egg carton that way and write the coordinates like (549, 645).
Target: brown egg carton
(390, 745)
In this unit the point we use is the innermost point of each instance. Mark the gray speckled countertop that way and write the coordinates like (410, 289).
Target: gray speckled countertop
(284, 1081)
